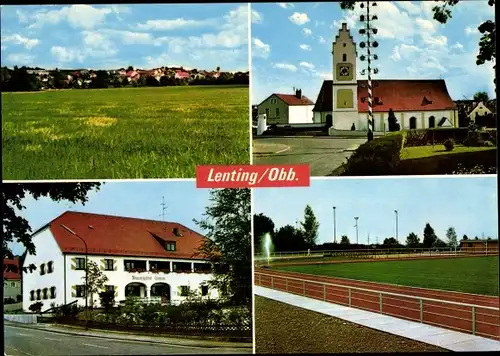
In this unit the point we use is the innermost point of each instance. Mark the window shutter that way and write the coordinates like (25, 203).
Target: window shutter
(115, 266)
(116, 291)
(73, 263)
(73, 291)
(103, 264)
(179, 290)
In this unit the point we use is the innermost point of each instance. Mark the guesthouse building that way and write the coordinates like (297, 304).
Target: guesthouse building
(147, 259)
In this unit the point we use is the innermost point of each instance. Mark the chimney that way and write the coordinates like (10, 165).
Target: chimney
(344, 26)
(298, 93)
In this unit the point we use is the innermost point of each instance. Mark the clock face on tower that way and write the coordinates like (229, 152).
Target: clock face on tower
(344, 71)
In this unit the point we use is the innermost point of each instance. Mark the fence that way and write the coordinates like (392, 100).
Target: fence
(469, 318)
(22, 318)
(377, 252)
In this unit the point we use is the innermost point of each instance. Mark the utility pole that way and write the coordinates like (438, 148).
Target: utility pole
(163, 208)
(397, 240)
(356, 226)
(334, 226)
(368, 30)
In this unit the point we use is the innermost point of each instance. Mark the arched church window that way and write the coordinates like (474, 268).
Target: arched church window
(413, 123)
(432, 122)
(344, 57)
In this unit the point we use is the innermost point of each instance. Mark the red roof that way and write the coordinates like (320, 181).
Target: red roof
(11, 269)
(398, 95)
(182, 74)
(291, 99)
(123, 236)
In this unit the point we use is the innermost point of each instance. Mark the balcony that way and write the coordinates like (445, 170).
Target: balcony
(159, 267)
(134, 266)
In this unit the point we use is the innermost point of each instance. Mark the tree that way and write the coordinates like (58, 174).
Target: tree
(481, 96)
(130, 68)
(393, 121)
(451, 235)
(107, 299)
(465, 237)
(310, 227)
(391, 241)
(442, 13)
(288, 238)
(95, 280)
(262, 224)
(430, 237)
(344, 240)
(15, 227)
(228, 242)
(412, 240)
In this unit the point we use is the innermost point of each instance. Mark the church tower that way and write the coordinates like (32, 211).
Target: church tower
(345, 85)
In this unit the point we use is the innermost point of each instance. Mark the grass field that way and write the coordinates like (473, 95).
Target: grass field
(477, 275)
(428, 151)
(123, 133)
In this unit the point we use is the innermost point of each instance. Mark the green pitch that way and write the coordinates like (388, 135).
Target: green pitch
(123, 133)
(477, 275)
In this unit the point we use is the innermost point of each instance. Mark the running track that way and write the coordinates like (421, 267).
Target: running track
(456, 317)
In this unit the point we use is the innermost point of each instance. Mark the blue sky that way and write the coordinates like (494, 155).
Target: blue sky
(133, 199)
(113, 36)
(292, 43)
(469, 204)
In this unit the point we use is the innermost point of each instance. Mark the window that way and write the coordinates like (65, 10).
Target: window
(109, 265)
(277, 111)
(204, 290)
(32, 295)
(267, 113)
(38, 294)
(184, 291)
(469, 244)
(344, 45)
(13, 284)
(109, 288)
(52, 292)
(177, 232)
(344, 57)
(80, 263)
(170, 246)
(50, 267)
(45, 293)
(42, 269)
(80, 291)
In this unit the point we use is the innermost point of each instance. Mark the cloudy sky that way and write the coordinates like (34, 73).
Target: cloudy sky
(467, 203)
(111, 36)
(292, 43)
(133, 199)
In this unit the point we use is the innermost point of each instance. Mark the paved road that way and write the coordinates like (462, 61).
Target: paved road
(21, 341)
(323, 154)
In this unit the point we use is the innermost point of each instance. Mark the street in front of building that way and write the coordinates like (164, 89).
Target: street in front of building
(41, 341)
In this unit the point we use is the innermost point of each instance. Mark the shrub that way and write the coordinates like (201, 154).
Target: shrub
(36, 307)
(107, 300)
(353, 127)
(477, 169)
(449, 145)
(19, 298)
(377, 157)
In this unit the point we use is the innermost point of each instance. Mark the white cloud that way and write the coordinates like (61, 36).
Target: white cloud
(426, 26)
(175, 24)
(439, 41)
(305, 47)
(260, 49)
(469, 30)
(78, 16)
(321, 39)
(286, 66)
(306, 31)
(457, 45)
(256, 17)
(64, 55)
(299, 18)
(404, 51)
(21, 59)
(411, 8)
(307, 65)
(286, 5)
(18, 39)
(96, 39)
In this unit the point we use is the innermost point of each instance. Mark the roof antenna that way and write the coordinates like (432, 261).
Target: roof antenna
(163, 208)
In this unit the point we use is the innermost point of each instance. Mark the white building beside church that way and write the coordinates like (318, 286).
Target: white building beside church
(343, 101)
(152, 260)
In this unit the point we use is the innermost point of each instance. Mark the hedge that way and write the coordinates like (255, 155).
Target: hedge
(378, 157)
(435, 136)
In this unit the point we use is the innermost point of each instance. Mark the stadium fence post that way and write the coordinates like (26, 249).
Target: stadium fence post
(473, 320)
(421, 310)
(324, 292)
(380, 301)
(350, 296)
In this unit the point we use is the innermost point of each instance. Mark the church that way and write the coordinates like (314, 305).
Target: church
(342, 103)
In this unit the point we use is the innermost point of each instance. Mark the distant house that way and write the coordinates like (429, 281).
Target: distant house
(11, 278)
(479, 110)
(132, 76)
(479, 246)
(181, 75)
(287, 109)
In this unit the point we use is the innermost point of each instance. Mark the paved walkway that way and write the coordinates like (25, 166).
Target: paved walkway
(448, 339)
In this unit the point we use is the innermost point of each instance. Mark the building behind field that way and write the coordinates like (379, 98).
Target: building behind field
(479, 246)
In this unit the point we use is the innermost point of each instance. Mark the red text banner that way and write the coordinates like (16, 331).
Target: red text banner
(252, 176)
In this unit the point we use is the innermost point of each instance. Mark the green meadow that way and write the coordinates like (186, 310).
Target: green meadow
(123, 133)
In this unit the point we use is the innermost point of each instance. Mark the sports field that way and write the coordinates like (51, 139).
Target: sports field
(123, 133)
(478, 275)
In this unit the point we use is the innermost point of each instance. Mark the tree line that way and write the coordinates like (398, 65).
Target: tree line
(304, 236)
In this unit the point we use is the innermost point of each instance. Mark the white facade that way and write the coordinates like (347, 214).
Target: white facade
(66, 277)
(407, 120)
(480, 110)
(300, 114)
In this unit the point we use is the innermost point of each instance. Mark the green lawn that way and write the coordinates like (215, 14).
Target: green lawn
(428, 151)
(123, 133)
(470, 274)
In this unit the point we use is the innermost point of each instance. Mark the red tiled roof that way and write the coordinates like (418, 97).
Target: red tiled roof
(122, 236)
(398, 95)
(11, 269)
(291, 99)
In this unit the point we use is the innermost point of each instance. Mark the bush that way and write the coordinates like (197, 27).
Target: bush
(477, 169)
(9, 300)
(36, 307)
(377, 157)
(449, 145)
